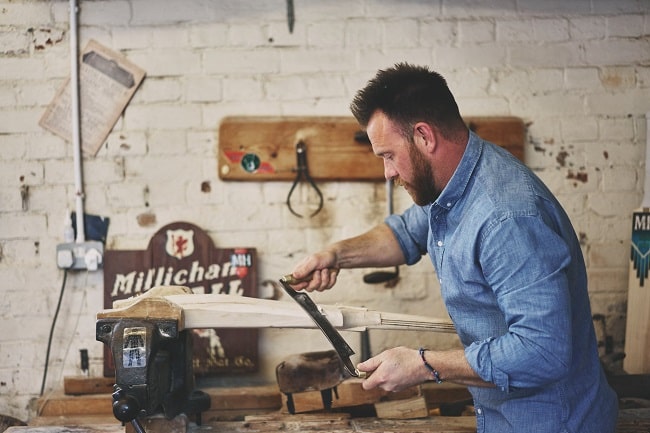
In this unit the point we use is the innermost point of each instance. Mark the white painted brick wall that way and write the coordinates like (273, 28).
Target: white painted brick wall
(576, 72)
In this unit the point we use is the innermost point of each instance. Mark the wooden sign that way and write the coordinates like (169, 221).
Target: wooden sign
(182, 254)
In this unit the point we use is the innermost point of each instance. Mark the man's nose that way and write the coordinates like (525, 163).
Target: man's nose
(389, 171)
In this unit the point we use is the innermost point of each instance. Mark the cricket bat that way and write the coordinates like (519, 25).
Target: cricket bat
(637, 331)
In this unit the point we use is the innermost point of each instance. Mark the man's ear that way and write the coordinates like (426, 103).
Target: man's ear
(424, 135)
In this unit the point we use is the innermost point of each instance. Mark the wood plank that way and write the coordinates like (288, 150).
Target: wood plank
(332, 151)
(244, 397)
(415, 407)
(231, 311)
(73, 420)
(350, 394)
(98, 428)
(79, 385)
(217, 310)
(276, 422)
(231, 415)
(438, 424)
(265, 397)
(629, 421)
(58, 404)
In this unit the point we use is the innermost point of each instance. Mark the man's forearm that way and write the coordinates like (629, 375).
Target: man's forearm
(377, 247)
(452, 366)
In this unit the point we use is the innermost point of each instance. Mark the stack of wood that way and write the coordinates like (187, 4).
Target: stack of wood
(87, 400)
(420, 401)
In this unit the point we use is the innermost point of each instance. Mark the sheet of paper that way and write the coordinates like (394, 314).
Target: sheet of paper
(107, 83)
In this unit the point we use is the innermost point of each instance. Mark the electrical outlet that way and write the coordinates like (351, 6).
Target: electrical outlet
(87, 255)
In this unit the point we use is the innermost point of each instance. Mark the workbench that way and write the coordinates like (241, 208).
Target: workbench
(85, 407)
(338, 423)
(631, 421)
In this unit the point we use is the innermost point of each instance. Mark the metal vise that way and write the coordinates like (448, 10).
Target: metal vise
(152, 354)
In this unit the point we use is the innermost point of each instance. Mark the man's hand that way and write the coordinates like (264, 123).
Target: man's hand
(394, 370)
(317, 272)
(377, 247)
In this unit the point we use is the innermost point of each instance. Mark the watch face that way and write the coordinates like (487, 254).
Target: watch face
(134, 351)
(250, 162)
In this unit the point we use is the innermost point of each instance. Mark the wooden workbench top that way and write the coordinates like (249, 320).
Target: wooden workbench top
(636, 420)
(339, 423)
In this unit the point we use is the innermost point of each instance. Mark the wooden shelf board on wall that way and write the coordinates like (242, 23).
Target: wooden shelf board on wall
(264, 148)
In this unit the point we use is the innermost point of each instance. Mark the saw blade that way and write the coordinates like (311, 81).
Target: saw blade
(342, 348)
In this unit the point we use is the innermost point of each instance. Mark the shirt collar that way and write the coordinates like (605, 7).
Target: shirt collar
(458, 183)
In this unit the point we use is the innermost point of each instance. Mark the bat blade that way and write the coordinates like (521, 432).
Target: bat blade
(637, 332)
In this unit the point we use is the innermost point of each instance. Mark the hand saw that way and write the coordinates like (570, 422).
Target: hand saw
(342, 348)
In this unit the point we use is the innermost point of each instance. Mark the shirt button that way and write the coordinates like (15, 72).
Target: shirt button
(439, 243)
(479, 411)
(449, 204)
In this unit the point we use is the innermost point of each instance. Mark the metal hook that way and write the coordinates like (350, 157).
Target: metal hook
(303, 174)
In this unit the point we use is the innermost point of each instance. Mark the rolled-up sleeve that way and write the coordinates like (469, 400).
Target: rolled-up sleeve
(411, 230)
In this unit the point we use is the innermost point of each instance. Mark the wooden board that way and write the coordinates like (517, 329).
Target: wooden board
(229, 311)
(107, 420)
(244, 397)
(415, 407)
(67, 428)
(350, 394)
(78, 385)
(264, 148)
(437, 424)
(66, 405)
(630, 421)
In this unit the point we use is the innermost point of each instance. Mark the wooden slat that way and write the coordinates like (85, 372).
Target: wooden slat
(57, 404)
(325, 422)
(75, 421)
(244, 397)
(415, 407)
(350, 394)
(332, 151)
(437, 424)
(67, 428)
(78, 385)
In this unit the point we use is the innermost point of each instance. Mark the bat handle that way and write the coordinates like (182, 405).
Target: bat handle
(291, 280)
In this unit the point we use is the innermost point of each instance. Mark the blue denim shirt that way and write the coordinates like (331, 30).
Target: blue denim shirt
(514, 283)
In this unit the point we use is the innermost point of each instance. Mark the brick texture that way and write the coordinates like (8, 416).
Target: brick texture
(576, 72)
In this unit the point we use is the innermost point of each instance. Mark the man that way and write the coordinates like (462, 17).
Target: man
(510, 266)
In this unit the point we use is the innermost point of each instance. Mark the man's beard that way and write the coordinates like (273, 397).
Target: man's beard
(422, 189)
